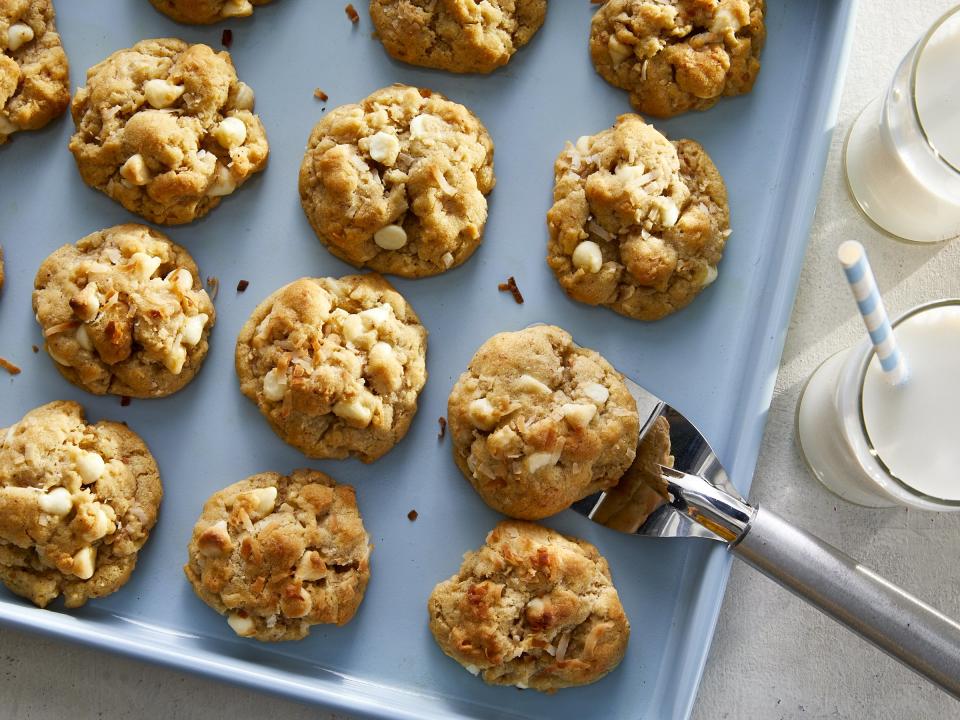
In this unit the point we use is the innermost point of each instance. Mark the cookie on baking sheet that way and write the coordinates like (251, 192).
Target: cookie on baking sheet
(77, 502)
(397, 182)
(277, 554)
(458, 35)
(531, 608)
(123, 311)
(34, 74)
(166, 129)
(677, 56)
(335, 365)
(537, 422)
(638, 222)
(205, 12)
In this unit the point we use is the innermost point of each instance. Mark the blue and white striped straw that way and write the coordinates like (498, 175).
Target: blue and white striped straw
(864, 287)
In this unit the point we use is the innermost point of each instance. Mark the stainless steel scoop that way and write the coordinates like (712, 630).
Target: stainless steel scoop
(697, 499)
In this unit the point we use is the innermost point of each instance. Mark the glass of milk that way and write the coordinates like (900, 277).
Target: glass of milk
(903, 152)
(880, 445)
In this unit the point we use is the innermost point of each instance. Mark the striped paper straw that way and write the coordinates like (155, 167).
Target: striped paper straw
(864, 287)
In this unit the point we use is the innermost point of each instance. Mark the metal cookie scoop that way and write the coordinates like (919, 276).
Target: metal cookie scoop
(695, 498)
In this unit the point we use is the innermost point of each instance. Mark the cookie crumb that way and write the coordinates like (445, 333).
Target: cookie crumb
(320, 95)
(124, 400)
(443, 427)
(425, 92)
(413, 515)
(9, 366)
(242, 285)
(352, 13)
(226, 38)
(511, 286)
(213, 286)
(35, 348)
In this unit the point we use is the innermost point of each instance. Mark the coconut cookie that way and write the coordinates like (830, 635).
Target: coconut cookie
(677, 56)
(458, 35)
(123, 311)
(34, 74)
(77, 502)
(205, 12)
(531, 608)
(278, 554)
(335, 365)
(167, 130)
(638, 223)
(538, 423)
(397, 183)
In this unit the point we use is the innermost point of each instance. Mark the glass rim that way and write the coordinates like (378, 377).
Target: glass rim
(918, 53)
(862, 375)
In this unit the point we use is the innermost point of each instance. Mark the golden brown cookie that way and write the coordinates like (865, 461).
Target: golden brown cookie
(537, 422)
(335, 365)
(34, 74)
(458, 35)
(166, 129)
(397, 183)
(638, 223)
(277, 554)
(77, 502)
(680, 55)
(123, 311)
(205, 12)
(531, 608)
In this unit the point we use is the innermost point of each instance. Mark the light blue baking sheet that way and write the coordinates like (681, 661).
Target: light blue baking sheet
(717, 360)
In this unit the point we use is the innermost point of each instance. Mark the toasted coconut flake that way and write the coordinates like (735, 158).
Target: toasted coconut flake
(562, 646)
(598, 230)
(9, 366)
(61, 328)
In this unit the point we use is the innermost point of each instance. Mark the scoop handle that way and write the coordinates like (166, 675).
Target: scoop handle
(916, 634)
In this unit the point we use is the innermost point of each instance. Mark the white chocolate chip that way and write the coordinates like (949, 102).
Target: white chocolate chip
(161, 93)
(90, 466)
(18, 35)
(143, 265)
(175, 359)
(311, 566)
(596, 392)
(472, 669)
(193, 329)
(538, 460)
(482, 414)
(583, 143)
(223, 182)
(263, 501)
(84, 563)
(669, 212)
(353, 412)
(447, 259)
(530, 384)
(588, 257)
(711, 275)
(377, 315)
(135, 171)
(578, 415)
(618, 51)
(356, 332)
(231, 132)
(245, 97)
(86, 303)
(391, 237)
(384, 148)
(7, 127)
(274, 385)
(726, 17)
(215, 540)
(56, 502)
(83, 338)
(242, 626)
(423, 126)
(181, 278)
(103, 522)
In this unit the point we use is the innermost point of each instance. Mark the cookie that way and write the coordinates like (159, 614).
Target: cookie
(205, 12)
(167, 130)
(123, 312)
(681, 55)
(397, 182)
(335, 365)
(537, 422)
(463, 36)
(278, 554)
(628, 504)
(77, 502)
(34, 74)
(638, 223)
(531, 608)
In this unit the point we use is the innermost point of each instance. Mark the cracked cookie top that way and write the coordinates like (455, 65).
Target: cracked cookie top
(678, 55)
(537, 422)
(397, 182)
(277, 554)
(205, 12)
(166, 129)
(77, 502)
(531, 608)
(638, 223)
(34, 74)
(123, 311)
(335, 365)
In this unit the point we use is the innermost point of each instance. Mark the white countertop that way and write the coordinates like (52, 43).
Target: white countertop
(773, 657)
